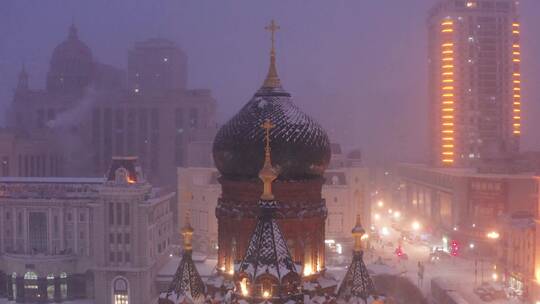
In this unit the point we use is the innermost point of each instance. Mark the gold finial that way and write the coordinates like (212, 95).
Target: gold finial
(187, 233)
(359, 234)
(267, 173)
(272, 78)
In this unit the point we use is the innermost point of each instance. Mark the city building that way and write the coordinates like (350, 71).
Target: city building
(518, 263)
(103, 239)
(97, 111)
(345, 190)
(464, 205)
(474, 81)
(29, 154)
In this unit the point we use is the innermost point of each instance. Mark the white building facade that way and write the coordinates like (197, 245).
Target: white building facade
(83, 238)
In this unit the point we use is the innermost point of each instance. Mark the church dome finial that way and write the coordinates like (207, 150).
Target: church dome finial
(267, 174)
(187, 234)
(272, 78)
(73, 32)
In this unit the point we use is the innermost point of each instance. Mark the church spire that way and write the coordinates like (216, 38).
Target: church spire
(23, 79)
(272, 78)
(267, 174)
(73, 31)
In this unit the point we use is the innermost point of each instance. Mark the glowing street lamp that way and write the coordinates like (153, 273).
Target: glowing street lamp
(397, 215)
(380, 204)
(494, 235)
(377, 216)
(416, 225)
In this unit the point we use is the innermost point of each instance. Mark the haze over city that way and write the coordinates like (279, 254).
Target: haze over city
(276, 152)
(359, 67)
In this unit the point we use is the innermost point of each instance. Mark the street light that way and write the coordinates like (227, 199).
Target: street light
(377, 216)
(380, 204)
(493, 235)
(397, 215)
(416, 225)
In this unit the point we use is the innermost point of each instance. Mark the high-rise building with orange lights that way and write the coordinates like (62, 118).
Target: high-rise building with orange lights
(475, 81)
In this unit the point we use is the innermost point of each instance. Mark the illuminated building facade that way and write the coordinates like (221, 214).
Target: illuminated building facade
(475, 81)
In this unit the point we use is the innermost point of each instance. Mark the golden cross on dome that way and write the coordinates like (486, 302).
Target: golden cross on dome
(267, 125)
(267, 173)
(272, 28)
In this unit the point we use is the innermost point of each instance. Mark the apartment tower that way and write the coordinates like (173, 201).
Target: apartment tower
(474, 81)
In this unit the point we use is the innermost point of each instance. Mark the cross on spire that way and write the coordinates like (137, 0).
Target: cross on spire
(272, 78)
(267, 174)
(267, 125)
(272, 28)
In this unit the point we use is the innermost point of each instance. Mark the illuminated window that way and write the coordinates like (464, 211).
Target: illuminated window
(120, 290)
(63, 285)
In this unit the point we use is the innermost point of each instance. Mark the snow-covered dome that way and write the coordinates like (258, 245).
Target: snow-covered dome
(300, 146)
(71, 67)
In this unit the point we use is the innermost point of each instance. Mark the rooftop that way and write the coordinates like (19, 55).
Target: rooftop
(466, 172)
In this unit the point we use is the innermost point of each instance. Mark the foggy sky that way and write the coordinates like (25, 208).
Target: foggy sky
(359, 67)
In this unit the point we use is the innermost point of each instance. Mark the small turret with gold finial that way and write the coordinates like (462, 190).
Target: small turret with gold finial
(358, 234)
(187, 234)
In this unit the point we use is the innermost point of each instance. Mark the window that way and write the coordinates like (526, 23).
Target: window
(14, 283)
(81, 235)
(56, 229)
(111, 238)
(82, 217)
(119, 238)
(126, 215)
(128, 257)
(112, 257)
(120, 291)
(38, 232)
(63, 285)
(19, 224)
(69, 217)
(127, 238)
(50, 286)
(119, 257)
(111, 214)
(119, 214)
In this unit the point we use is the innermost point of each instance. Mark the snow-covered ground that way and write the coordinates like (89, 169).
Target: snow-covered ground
(457, 270)
(5, 301)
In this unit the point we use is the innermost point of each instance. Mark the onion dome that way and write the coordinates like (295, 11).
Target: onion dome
(302, 148)
(71, 67)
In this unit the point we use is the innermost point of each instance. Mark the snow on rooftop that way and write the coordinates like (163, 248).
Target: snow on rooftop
(60, 180)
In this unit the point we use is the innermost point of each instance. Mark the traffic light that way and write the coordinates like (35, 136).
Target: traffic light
(454, 248)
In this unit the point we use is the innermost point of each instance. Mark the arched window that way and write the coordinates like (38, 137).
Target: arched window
(63, 285)
(50, 286)
(30, 285)
(120, 291)
(14, 284)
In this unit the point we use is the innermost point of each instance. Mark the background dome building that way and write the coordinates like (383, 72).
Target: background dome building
(72, 66)
(301, 153)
